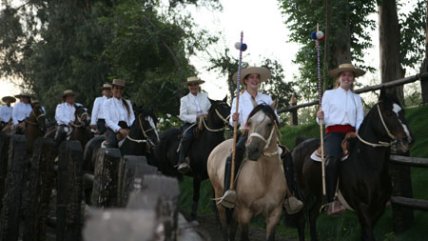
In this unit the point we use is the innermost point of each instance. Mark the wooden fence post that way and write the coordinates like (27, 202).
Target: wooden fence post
(69, 192)
(15, 182)
(294, 118)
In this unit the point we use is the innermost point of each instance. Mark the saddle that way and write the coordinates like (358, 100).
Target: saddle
(316, 155)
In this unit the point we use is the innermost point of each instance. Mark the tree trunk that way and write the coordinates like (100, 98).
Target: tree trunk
(389, 42)
(424, 68)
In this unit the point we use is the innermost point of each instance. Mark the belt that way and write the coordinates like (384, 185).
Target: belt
(340, 128)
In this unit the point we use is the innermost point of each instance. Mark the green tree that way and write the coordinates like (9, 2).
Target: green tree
(54, 45)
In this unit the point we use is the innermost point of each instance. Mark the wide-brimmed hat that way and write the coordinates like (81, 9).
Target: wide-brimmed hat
(194, 79)
(68, 93)
(23, 94)
(118, 82)
(262, 71)
(346, 67)
(9, 99)
(35, 101)
(106, 86)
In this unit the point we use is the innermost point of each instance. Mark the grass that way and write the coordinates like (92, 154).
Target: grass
(345, 227)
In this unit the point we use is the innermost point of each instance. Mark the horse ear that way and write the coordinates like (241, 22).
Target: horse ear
(382, 94)
(225, 99)
(211, 101)
(274, 104)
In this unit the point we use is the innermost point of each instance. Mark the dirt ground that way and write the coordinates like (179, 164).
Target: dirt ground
(209, 226)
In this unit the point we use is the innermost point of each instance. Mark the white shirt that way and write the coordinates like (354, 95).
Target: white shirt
(246, 106)
(20, 112)
(64, 113)
(114, 111)
(6, 113)
(97, 110)
(191, 106)
(342, 107)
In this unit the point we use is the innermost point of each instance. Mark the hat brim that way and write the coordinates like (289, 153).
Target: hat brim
(113, 85)
(357, 72)
(69, 94)
(11, 99)
(195, 81)
(262, 71)
(23, 95)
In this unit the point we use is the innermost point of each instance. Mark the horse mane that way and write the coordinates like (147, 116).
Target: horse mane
(267, 109)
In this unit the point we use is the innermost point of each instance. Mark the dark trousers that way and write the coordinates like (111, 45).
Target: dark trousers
(111, 140)
(20, 130)
(239, 156)
(60, 134)
(101, 126)
(186, 141)
(333, 150)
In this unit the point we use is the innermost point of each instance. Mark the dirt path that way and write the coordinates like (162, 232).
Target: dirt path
(209, 226)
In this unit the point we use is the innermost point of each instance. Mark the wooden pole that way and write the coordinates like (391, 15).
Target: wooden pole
(235, 123)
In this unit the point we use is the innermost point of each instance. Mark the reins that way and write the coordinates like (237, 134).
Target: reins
(379, 143)
(267, 141)
(224, 119)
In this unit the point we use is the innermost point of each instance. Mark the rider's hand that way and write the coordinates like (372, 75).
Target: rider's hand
(320, 115)
(123, 132)
(235, 116)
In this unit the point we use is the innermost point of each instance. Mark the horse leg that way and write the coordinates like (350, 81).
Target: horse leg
(313, 214)
(244, 217)
(196, 193)
(366, 223)
(272, 220)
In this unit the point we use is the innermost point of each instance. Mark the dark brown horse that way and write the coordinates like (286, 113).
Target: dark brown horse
(210, 136)
(35, 125)
(364, 181)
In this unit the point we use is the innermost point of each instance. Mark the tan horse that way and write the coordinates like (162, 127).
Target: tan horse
(260, 182)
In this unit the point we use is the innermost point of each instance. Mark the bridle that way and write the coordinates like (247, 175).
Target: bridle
(144, 132)
(80, 122)
(380, 143)
(267, 141)
(37, 117)
(224, 119)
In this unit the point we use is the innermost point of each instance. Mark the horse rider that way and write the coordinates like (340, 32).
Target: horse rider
(64, 115)
(250, 97)
(118, 114)
(97, 117)
(342, 112)
(21, 111)
(193, 106)
(6, 111)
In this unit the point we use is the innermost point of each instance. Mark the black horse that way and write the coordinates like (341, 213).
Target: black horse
(143, 137)
(211, 134)
(364, 181)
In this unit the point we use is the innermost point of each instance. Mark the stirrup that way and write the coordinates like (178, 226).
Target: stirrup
(183, 168)
(228, 199)
(293, 205)
(335, 208)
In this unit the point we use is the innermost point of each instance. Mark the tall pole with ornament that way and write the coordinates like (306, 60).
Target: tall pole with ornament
(319, 36)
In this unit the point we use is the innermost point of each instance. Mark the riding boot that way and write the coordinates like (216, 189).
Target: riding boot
(292, 204)
(229, 197)
(183, 165)
(332, 167)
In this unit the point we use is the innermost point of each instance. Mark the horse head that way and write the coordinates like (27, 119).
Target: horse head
(37, 117)
(391, 125)
(147, 122)
(219, 113)
(81, 116)
(262, 125)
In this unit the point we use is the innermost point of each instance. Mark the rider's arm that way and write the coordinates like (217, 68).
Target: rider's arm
(184, 115)
(108, 115)
(95, 110)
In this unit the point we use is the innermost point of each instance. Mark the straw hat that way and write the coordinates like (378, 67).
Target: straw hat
(106, 86)
(9, 99)
(23, 94)
(68, 93)
(262, 71)
(118, 82)
(194, 79)
(346, 67)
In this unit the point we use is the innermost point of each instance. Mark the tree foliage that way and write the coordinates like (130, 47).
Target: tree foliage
(57, 45)
(302, 17)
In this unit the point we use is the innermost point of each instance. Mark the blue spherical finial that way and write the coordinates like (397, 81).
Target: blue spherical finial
(240, 46)
(314, 35)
